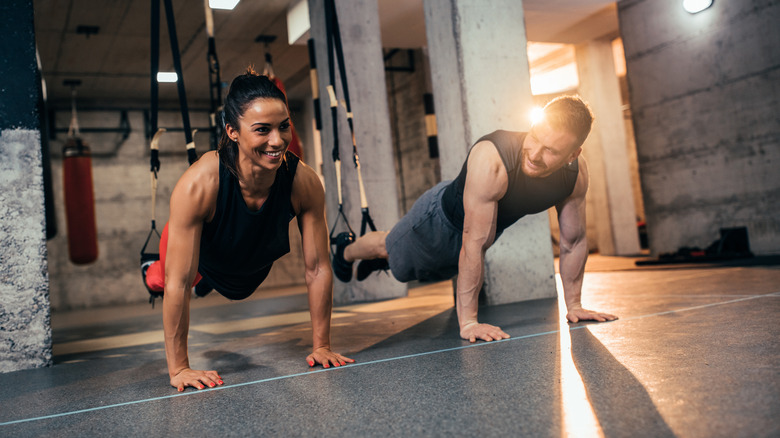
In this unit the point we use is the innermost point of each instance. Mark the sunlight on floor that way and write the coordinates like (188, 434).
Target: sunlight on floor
(576, 411)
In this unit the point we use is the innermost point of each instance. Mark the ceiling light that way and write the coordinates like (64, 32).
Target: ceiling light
(223, 4)
(167, 76)
(696, 6)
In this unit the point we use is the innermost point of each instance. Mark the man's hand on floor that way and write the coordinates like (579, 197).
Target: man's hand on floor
(580, 314)
(486, 332)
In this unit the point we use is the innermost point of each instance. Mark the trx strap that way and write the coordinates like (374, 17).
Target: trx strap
(192, 155)
(334, 43)
(154, 158)
(315, 86)
(155, 164)
(215, 83)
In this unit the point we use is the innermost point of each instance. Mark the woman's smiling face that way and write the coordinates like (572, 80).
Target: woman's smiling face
(264, 133)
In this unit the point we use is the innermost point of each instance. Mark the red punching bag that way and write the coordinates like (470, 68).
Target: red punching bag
(79, 201)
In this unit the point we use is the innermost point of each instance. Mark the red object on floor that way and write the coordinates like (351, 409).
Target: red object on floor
(79, 202)
(295, 143)
(155, 275)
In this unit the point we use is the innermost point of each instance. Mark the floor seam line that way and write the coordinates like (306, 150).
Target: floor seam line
(427, 353)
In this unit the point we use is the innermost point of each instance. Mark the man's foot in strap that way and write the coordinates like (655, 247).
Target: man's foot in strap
(342, 269)
(366, 267)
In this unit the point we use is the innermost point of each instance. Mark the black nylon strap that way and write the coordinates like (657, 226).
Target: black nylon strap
(334, 43)
(215, 94)
(315, 86)
(192, 156)
(329, 18)
(155, 66)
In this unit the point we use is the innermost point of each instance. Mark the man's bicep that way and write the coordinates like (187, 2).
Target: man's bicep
(486, 183)
(479, 220)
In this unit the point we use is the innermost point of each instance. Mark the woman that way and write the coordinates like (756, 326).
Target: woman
(229, 220)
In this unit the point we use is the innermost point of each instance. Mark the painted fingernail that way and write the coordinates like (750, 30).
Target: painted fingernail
(220, 382)
(201, 387)
(311, 363)
(181, 389)
(211, 385)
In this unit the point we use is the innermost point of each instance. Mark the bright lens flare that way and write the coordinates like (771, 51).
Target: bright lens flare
(537, 114)
(696, 6)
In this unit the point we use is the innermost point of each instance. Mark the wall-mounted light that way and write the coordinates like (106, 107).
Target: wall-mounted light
(223, 4)
(696, 6)
(167, 76)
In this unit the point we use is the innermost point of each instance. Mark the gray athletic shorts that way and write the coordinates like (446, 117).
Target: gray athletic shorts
(424, 245)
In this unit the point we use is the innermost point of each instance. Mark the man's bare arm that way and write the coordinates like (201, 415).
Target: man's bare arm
(486, 183)
(574, 249)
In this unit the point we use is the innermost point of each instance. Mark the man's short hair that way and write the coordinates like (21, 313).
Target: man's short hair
(570, 113)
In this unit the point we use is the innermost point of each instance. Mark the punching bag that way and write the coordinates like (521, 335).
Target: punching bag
(79, 201)
(295, 144)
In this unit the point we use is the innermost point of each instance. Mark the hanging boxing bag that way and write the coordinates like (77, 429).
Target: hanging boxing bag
(79, 201)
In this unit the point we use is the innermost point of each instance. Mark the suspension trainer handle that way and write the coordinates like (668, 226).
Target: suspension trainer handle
(366, 221)
(192, 155)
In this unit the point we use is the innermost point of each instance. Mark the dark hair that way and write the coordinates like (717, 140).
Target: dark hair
(243, 90)
(570, 113)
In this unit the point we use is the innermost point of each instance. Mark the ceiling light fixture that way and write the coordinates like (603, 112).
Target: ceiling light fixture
(167, 76)
(696, 6)
(223, 4)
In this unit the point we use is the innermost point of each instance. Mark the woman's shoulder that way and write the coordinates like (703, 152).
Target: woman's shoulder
(204, 172)
(307, 188)
(200, 182)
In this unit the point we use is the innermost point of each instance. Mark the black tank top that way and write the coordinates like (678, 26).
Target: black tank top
(524, 195)
(238, 246)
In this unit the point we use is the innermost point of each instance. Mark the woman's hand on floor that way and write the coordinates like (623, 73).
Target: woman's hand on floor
(324, 356)
(195, 378)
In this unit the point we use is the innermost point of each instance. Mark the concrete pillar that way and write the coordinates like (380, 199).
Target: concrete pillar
(359, 22)
(605, 149)
(25, 329)
(705, 99)
(481, 83)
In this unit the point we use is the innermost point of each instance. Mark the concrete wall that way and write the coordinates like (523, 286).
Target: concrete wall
(705, 97)
(25, 328)
(416, 171)
(123, 208)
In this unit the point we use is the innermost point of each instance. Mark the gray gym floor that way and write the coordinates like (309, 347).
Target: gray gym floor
(695, 353)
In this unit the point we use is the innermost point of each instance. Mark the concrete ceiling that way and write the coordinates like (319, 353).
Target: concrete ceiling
(113, 64)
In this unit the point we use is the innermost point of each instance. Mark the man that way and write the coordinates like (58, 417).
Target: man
(506, 176)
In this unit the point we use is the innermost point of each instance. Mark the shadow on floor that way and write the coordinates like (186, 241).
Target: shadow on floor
(614, 391)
